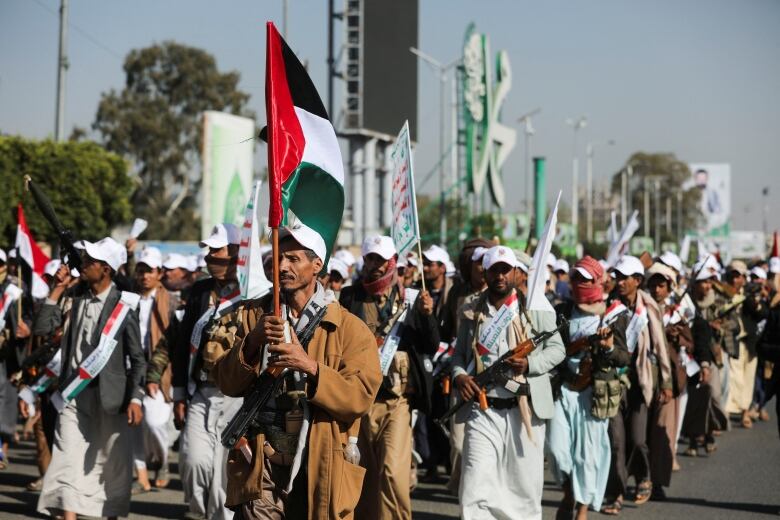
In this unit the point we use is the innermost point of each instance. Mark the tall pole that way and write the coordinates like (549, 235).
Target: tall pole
(284, 19)
(657, 189)
(575, 165)
(442, 203)
(646, 228)
(589, 194)
(540, 198)
(623, 197)
(330, 60)
(679, 216)
(62, 68)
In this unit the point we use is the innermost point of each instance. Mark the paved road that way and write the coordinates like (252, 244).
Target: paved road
(740, 481)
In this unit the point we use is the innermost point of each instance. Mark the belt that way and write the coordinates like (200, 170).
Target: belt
(502, 404)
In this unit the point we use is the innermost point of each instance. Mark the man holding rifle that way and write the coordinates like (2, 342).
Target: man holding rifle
(503, 450)
(293, 460)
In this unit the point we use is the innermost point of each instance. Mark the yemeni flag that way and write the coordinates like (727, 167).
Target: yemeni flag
(306, 175)
(32, 255)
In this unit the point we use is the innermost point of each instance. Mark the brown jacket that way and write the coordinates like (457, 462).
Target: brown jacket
(162, 309)
(348, 380)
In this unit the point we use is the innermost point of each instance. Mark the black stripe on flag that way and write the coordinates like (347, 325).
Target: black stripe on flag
(302, 90)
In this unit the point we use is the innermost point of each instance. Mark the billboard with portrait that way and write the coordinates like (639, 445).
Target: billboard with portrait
(714, 182)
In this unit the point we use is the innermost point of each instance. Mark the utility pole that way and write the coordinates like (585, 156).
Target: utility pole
(589, 188)
(330, 60)
(62, 69)
(575, 166)
(529, 132)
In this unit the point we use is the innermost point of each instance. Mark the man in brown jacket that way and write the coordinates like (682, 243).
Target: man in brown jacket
(296, 465)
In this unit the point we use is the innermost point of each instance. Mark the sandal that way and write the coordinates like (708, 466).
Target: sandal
(162, 478)
(138, 489)
(612, 509)
(35, 485)
(643, 492)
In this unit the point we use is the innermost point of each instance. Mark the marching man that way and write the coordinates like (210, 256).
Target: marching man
(503, 449)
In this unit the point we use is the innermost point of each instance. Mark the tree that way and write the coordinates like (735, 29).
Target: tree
(671, 174)
(155, 121)
(88, 187)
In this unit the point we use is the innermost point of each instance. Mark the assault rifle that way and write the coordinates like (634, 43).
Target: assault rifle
(493, 375)
(39, 357)
(67, 242)
(585, 374)
(265, 387)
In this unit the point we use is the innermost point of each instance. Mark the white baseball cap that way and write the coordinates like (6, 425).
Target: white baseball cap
(306, 237)
(498, 254)
(192, 262)
(221, 236)
(334, 264)
(450, 268)
(629, 266)
(551, 260)
(345, 256)
(436, 254)
(3, 256)
(478, 253)
(51, 266)
(758, 272)
(176, 261)
(774, 265)
(106, 250)
(379, 244)
(151, 256)
(672, 260)
(706, 269)
(561, 265)
(584, 272)
(201, 260)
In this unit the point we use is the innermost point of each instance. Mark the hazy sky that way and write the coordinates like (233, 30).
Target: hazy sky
(700, 79)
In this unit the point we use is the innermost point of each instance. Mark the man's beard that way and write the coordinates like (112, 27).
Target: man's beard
(500, 293)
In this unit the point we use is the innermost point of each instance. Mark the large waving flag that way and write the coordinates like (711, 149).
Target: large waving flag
(306, 175)
(33, 256)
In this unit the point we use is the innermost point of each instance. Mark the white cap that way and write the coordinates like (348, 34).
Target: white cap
(345, 256)
(758, 272)
(222, 235)
(106, 250)
(334, 264)
(498, 254)
(151, 256)
(630, 265)
(3, 256)
(176, 261)
(436, 254)
(201, 260)
(192, 262)
(478, 253)
(561, 265)
(672, 260)
(551, 260)
(450, 271)
(707, 268)
(379, 244)
(774, 265)
(584, 272)
(51, 266)
(12, 253)
(306, 237)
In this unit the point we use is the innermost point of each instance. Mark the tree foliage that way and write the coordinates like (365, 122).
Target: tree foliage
(88, 187)
(156, 122)
(672, 174)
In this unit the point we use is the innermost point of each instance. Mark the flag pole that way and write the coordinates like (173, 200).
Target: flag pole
(420, 265)
(275, 260)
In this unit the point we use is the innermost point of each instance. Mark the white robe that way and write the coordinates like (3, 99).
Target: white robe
(502, 474)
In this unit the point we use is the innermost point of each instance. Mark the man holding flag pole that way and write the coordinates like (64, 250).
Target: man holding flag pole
(298, 455)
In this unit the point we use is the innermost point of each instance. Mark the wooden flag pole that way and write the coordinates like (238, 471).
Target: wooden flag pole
(420, 265)
(275, 253)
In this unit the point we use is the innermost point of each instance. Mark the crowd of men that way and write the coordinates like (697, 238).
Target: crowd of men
(380, 368)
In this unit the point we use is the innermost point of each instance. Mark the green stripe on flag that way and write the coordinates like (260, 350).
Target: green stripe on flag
(317, 199)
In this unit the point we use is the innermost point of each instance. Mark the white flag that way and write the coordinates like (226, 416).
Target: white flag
(535, 299)
(685, 249)
(251, 277)
(139, 225)
(620, 247)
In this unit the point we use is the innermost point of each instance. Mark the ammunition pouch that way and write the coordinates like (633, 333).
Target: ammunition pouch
(605, 401)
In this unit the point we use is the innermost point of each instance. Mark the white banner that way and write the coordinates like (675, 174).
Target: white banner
(251, 276)
(620, 246)
(228, 152)
(405, 228)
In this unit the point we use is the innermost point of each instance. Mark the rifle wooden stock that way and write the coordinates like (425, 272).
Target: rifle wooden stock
(585, 375)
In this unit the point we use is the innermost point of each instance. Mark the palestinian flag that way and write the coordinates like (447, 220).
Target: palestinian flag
(306, 175)
(32, 255)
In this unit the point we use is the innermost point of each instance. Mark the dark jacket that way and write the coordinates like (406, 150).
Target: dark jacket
(12, 350)
(754, 310)
(420, 338)
(118, 384)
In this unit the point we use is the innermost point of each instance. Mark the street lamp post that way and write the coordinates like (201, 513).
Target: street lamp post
(589, 187)
(529, 132)
(579, 124)
(441, 69)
